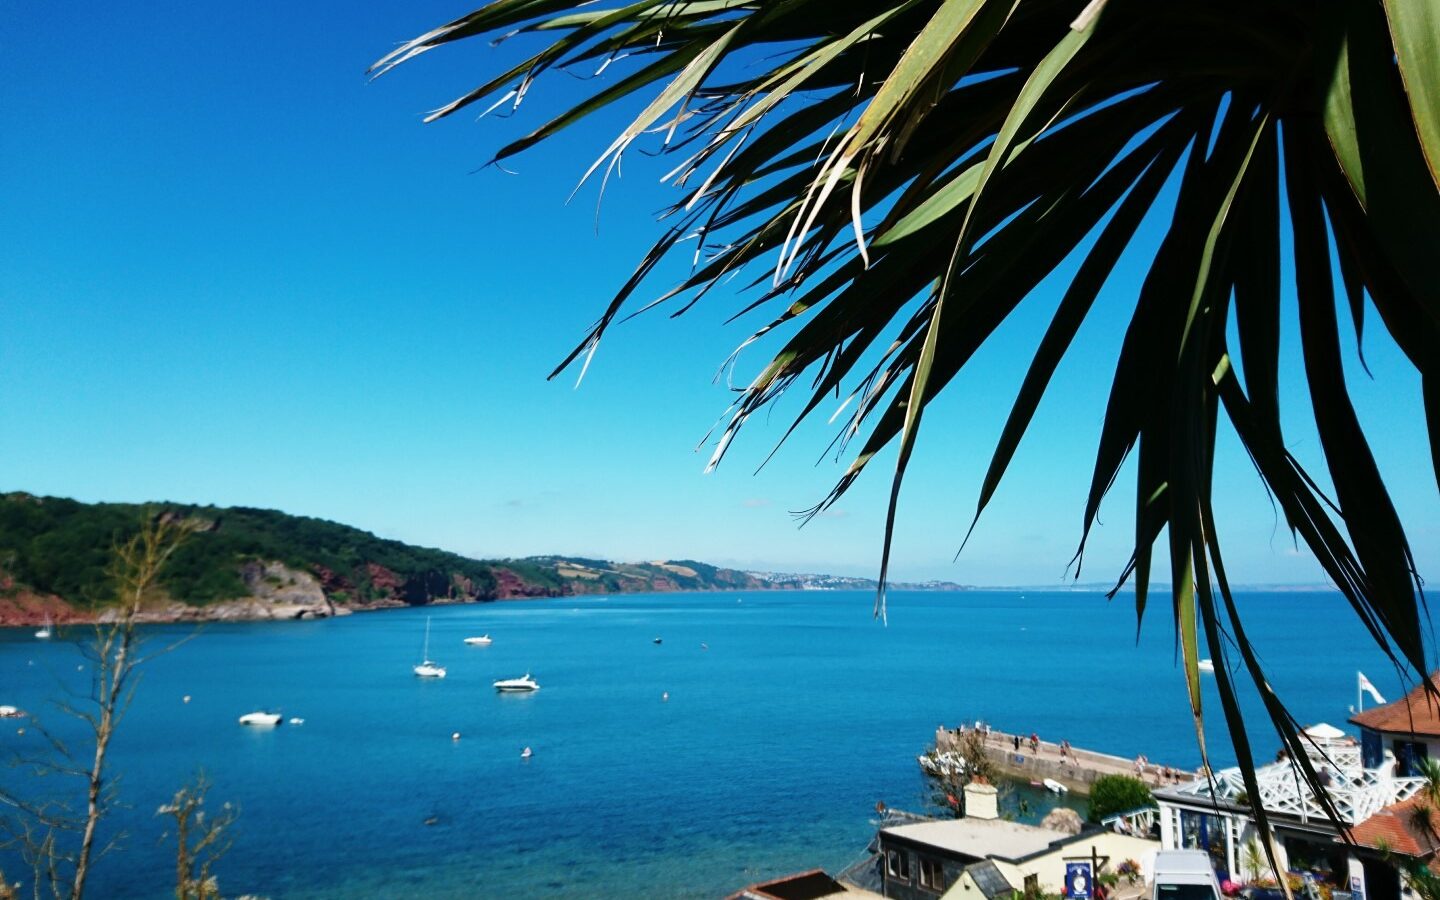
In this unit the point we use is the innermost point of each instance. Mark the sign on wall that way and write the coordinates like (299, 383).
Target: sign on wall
(1078, 881)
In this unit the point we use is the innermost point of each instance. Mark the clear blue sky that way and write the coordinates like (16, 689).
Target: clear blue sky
(236, 272)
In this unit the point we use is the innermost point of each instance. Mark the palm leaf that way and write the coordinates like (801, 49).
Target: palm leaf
(898, 176)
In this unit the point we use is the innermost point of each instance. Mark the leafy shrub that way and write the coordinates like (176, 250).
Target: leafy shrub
(1112, 794)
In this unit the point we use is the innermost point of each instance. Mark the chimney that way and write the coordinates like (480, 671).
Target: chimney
(980, 800)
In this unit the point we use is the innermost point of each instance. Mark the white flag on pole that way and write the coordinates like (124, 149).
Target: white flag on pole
(1368, 688)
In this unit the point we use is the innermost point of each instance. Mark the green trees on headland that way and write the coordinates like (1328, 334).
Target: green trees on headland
(59, 546)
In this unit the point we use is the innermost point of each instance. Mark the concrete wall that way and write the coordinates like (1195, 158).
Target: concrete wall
(1027, 767)
(1050, 868)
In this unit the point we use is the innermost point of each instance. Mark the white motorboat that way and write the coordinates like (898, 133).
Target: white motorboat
(480, 641)
(296, 720)
(517, 684)
(1206, 665)
(1054, 786)
(261, 718)
(427, 667)
(46, 631)
(11, 712)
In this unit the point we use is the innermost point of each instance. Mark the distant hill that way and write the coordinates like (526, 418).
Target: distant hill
(260, 563)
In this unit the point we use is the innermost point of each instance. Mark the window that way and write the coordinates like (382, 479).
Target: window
(897, 864)
(1184, 892)
(932, 873)
(1408, 754)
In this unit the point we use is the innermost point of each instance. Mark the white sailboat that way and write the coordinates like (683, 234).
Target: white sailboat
(427, 668)
(46, 630)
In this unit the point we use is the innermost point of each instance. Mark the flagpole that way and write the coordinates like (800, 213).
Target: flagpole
(1359, 694)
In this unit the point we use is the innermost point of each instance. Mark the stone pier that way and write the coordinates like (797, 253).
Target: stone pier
(1076, 768)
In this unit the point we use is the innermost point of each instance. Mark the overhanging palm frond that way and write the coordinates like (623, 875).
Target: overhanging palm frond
(903, 173)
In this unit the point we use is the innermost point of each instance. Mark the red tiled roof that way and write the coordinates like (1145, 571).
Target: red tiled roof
(1416, 713)
(1394, 828)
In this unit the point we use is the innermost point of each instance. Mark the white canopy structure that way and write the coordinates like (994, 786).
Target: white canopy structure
(1356, 792)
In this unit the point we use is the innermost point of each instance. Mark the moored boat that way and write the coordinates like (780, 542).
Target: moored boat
(517, 684)
(482, 640)
(261, 718)
(941, 764)
(427, 667)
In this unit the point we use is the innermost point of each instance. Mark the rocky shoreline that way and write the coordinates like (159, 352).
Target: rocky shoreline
(277, 593)
(29, 610)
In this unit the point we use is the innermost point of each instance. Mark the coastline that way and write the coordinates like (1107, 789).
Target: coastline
(28, 610)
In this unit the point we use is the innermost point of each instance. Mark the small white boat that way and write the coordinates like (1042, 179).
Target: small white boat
(1206, 665)
(10, 712)
(46, 631)
(1054, 786)
(517, 684)
(296, 720)
(261, 718)
(526, 754)
(480, 641)
(941, 764)
(428, 668)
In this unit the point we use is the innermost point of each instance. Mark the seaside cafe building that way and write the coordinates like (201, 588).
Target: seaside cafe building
(1372, 782)
(985, 857)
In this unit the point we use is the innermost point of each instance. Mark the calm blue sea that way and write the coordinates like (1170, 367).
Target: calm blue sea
(768, 757)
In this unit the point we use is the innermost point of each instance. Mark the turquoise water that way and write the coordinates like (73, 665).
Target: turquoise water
(768, 756)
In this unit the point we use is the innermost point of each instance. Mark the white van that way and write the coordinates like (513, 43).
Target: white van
(1184, 875)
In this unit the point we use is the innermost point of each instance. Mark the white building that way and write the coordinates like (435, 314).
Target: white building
(1214, 814)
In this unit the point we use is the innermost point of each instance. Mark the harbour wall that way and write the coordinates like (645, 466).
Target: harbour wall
(1074, 767)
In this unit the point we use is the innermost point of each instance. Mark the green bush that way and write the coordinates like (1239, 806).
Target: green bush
(1112, 794)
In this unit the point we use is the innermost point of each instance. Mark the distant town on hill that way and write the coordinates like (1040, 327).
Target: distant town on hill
(246, 563)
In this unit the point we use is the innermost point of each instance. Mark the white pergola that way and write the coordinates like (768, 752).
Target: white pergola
(1356, 792)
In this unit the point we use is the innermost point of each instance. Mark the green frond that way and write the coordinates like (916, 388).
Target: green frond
(899, 175)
